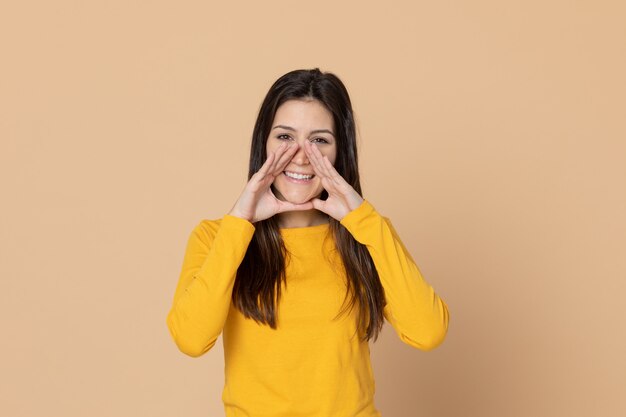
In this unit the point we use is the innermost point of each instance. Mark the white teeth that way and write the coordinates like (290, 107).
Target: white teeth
(298, 176)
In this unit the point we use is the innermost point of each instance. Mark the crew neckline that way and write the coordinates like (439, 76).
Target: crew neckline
(307, 230)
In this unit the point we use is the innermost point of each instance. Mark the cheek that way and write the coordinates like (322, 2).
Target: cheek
(271, 145)
(331, 154)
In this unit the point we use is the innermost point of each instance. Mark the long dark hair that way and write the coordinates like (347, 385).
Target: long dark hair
(257, 287)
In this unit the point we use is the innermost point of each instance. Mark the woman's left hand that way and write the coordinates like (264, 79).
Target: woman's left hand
(342, 198)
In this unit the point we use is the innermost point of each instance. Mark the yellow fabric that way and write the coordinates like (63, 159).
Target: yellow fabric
(311, 365)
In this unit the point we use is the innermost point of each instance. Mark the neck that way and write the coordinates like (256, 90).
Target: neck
(304, 218)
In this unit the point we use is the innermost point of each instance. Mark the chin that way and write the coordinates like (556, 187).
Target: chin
(298, 199)
(295, 196)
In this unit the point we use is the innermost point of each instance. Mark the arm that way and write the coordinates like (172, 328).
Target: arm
(419, 316)
(203, 294)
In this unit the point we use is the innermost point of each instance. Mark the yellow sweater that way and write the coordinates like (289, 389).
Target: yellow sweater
(310, 366)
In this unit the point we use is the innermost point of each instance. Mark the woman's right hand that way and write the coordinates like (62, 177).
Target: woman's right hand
(257, 201)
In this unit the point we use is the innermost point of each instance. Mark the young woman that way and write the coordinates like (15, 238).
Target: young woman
(300, 274)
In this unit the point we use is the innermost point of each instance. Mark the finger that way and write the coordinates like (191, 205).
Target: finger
(278, 153)
(314, 159)
(320, 159)
(332, 172)
(322, 165)
(265, 167)
(312, 153)
(341, 187)
(284, 159)
(319, 204)
(321, 170)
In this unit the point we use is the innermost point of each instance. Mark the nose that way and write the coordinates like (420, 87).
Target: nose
(300, 157)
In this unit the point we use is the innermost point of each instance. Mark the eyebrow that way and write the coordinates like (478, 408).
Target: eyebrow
(312, 131)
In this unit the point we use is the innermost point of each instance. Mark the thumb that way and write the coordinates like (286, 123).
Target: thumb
(319, 204)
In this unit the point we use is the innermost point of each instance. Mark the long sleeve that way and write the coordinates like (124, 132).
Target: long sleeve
(202, 299)
(419, 316)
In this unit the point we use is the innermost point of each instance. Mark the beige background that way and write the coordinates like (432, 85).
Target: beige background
(492, 133)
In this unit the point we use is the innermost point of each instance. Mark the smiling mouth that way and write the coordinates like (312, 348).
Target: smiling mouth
(298, 177)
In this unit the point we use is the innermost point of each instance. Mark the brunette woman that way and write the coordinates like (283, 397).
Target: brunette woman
(302, 272)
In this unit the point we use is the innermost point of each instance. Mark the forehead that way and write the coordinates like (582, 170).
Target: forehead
(304, 115)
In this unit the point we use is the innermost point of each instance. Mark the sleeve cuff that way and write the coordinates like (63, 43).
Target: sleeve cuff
(237, 224)
(359, 218)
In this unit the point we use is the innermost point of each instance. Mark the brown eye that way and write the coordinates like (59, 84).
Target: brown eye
(319, 140)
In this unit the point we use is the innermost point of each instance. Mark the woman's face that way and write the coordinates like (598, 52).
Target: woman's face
(295, 122)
